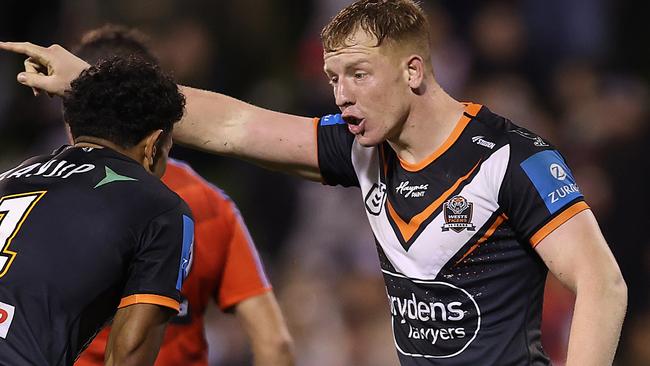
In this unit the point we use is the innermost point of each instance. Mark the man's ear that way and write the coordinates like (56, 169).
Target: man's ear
(416, 70)
(150, 148)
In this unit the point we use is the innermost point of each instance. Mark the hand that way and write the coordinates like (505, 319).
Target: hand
(50, 69)
(32, 66)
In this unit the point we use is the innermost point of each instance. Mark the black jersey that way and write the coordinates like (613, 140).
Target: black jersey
(455, 235)
(83, 232)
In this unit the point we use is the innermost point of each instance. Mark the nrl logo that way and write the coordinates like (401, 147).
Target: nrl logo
(375, 198)
(458, 215)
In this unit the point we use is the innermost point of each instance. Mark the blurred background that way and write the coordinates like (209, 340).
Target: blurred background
(574, 71)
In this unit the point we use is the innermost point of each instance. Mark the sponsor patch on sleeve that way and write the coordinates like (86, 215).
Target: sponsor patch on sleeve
(552, 178)
(186, 253)
(332, 119)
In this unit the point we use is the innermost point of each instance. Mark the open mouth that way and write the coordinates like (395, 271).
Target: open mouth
(351, 120)
(355, 125)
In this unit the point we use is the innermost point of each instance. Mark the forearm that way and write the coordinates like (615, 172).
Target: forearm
(597, 320)
(125, 357)
(134, 349)
(278, 353)
(262, 321)
(136, 335)
(212, 121)
(223, 125)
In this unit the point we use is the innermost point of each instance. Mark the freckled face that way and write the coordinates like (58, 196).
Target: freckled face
(370, 87)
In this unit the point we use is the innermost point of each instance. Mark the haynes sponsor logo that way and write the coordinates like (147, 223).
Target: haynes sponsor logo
(431, 319)
(407, 190)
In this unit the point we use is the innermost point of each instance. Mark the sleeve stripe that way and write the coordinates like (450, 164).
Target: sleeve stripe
(557, 221)
(149, 299)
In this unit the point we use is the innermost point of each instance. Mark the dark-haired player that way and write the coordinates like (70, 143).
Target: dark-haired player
(469, 211)
(90, 231)
(226, 265)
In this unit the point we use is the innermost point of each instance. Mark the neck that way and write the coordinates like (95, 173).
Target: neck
(430, 120)
(100, 143)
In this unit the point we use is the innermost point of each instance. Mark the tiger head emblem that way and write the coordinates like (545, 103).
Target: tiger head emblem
(457, 204)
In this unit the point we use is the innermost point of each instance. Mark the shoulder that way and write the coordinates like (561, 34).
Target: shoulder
(127, 187)
(158, 197)
(522, 142)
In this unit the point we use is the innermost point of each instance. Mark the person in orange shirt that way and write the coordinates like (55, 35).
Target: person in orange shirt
(225, 264)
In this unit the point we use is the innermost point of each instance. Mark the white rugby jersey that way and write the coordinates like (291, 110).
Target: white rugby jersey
(455, 235)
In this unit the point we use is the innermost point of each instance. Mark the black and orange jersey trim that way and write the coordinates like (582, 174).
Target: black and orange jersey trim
(409, 231)
(456, 233)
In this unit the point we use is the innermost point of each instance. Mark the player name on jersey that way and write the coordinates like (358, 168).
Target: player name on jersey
(49, 169)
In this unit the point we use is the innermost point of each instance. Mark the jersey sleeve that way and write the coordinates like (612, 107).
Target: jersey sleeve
(539, 192)
(335, 152)
(243, 275)
(162, 260)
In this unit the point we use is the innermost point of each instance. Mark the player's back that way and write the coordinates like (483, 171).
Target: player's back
(70, 225)
(226, 268)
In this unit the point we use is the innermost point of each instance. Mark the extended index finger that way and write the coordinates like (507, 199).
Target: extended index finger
(26, 48)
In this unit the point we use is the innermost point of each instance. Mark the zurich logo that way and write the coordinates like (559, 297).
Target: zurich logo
(558, 172)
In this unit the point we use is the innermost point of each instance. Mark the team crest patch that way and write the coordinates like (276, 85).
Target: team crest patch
(458, 214)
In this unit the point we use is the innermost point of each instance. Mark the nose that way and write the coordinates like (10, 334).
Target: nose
(343, 95)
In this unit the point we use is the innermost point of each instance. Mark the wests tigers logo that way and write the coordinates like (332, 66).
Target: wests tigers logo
(458, 214)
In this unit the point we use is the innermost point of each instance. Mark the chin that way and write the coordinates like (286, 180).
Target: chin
(369, 141)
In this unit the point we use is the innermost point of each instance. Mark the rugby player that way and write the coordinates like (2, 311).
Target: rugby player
(226, 266)
(469, 210)
(89, 232)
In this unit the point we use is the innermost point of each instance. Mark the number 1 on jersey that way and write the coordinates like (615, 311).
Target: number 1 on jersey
(14, 209)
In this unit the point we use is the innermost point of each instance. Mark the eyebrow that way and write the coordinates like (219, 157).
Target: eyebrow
(357, 63)
(351, 65)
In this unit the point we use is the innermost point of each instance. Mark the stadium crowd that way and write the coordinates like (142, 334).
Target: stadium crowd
(570, 70)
